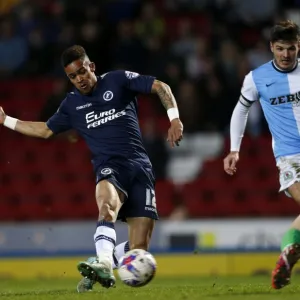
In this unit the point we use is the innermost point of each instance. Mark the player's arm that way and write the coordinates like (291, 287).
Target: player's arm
(147, 84)
(238, 123)
(167, 99)
(164, 93)
(34, 129)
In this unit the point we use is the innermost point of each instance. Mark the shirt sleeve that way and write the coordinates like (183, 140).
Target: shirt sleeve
(60, 121)
(237, 125)
(134, 81)
(249, 92)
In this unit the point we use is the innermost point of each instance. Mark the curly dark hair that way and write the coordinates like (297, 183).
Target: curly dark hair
(71, 54)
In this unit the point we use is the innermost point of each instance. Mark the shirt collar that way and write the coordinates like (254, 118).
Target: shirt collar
(284, 71)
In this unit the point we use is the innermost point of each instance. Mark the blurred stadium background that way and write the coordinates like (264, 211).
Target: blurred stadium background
(210, 223)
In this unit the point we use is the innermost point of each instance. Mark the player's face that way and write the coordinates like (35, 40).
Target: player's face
(285, 53)
(81, 74)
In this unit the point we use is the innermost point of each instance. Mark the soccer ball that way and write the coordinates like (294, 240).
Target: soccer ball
(137, 268)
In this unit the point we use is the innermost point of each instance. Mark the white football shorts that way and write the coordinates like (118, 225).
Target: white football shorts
(289, 171)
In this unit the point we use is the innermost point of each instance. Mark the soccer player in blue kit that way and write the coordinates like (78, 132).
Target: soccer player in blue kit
(103, 110)
(276, 85)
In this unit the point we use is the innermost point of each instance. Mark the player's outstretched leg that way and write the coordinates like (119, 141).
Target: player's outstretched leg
(109, 201)
(86, 284)
(99, 271)
(289, 256)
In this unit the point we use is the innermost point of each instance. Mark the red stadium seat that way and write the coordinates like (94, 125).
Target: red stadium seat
(165, 197)
(54, 180)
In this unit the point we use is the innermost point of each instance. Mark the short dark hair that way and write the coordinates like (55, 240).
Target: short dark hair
(71, 54)
(286, 31)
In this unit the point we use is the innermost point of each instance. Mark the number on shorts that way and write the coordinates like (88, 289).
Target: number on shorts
(150, 198)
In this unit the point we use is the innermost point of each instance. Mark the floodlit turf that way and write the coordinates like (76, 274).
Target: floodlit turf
(225, 288)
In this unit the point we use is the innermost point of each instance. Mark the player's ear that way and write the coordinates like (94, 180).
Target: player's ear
(272, 47)
(92, 67)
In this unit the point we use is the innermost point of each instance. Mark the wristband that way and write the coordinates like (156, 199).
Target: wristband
(173, 113)
(10, 122)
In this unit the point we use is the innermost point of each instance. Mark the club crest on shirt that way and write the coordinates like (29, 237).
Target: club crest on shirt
(131, 75)
(108, 95)
(106, 171)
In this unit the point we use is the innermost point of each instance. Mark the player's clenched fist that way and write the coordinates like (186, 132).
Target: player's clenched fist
(2, 115)
(230, 162)
(175, 132)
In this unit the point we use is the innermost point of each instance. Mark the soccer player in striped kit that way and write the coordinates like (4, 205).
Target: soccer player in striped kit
(276, 85)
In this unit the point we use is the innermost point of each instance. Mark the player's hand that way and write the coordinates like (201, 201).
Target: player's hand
(2, 115)
(175, 133)
(230, 162)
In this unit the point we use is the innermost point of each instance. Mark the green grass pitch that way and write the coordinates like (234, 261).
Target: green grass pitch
(225, 288)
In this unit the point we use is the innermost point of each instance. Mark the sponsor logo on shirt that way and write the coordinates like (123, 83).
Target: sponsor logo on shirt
(131, 75)
(84, 106)
(94, 120)
(293, 98)
(269, 84)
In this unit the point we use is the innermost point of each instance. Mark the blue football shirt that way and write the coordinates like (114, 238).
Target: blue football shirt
(279, 95)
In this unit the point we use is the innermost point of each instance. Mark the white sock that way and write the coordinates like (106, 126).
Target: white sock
(105, 240)
(120, 251)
